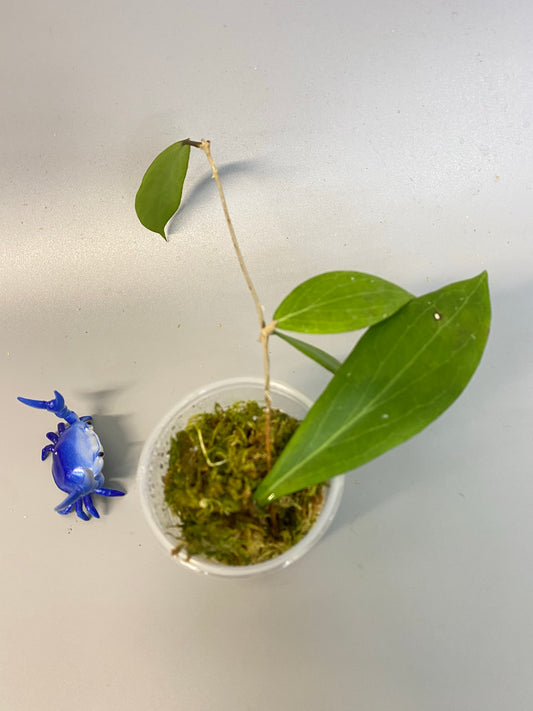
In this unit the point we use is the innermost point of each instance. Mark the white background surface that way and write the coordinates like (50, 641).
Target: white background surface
(385, 136)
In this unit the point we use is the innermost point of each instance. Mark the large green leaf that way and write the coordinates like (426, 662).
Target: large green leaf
(402, 374)
(317, 354)
(159, 195)
(339, 301)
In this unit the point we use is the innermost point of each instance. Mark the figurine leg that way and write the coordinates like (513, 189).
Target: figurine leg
(79, 510)
(46, 451)
(104, 491)
(91, 508)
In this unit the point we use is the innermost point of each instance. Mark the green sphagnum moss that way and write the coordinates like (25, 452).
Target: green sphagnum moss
(216, 464)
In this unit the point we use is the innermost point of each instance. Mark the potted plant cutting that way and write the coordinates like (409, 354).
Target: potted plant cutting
(235, 481)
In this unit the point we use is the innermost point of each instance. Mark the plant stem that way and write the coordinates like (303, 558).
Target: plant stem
(266, 331)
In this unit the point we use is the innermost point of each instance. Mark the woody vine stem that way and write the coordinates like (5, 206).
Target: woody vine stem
(266, 329)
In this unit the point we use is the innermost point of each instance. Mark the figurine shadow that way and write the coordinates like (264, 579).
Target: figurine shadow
(121, 453)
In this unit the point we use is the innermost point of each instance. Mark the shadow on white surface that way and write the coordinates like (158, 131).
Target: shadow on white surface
(201, 193)
(115, 433)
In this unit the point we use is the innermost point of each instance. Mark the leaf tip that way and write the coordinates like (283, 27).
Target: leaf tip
(263, 498)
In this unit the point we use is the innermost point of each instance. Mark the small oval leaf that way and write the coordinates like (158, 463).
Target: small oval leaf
(159, 195)
(339, 301)
(401, 375)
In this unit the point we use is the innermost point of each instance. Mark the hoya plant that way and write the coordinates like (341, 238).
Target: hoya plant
(414, 359)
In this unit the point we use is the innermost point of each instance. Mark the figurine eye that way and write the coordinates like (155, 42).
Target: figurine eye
(101, 453)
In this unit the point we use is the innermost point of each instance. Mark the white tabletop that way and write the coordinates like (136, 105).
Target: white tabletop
(386, 137)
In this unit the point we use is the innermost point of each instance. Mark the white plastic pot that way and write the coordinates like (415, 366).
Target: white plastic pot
(153, 466)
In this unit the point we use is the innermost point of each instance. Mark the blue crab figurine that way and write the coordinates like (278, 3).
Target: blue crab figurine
(77, 458)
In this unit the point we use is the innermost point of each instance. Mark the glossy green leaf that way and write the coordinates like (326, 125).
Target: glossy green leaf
(317, 354)
(402, 374)
(159, 195)
(339, 301)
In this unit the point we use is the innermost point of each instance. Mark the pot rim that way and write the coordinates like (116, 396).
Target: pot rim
(162, 433)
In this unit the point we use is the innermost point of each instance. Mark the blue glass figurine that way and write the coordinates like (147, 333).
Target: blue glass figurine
(77, 458)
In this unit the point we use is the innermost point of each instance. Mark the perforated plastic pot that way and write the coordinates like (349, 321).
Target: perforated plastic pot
(153, 465)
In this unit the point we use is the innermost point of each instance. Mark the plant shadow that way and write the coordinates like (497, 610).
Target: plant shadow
(379, 481)
(196, 195)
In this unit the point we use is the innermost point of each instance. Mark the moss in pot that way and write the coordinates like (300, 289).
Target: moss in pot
(215, 465)
(413, 361)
